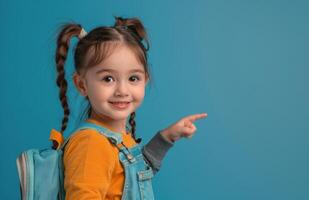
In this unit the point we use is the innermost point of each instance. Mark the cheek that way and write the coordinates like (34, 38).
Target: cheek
(99, 93)
(140, 93)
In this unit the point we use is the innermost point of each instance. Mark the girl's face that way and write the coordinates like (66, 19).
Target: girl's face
(118, 78)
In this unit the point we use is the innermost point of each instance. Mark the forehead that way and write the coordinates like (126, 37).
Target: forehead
(121, 60)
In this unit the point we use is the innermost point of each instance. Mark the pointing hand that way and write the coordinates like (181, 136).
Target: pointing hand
(182, 128)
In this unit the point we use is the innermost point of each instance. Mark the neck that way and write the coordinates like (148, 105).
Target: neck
(114, 125)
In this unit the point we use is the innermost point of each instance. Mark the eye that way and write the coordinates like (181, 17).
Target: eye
(135, 77)
(107, 78)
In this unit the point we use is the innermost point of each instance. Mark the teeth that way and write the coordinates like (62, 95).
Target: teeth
(120, 103)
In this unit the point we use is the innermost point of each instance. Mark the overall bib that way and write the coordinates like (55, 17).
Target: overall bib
(138, 173)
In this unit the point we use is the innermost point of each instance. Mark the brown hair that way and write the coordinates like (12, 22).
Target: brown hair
(93, 48)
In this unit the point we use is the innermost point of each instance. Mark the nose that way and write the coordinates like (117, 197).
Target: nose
(121, 89)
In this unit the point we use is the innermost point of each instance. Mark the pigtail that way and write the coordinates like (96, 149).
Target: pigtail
(135, 26)
(133, 124)
(63, 41)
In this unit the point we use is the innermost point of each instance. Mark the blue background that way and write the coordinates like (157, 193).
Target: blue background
(245, 63)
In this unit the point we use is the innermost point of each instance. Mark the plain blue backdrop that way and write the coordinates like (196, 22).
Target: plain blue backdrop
(245, 63)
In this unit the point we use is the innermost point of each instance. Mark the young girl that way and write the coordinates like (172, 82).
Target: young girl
(111, 73)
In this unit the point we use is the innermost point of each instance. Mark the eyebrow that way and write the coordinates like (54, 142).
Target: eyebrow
(112, 70)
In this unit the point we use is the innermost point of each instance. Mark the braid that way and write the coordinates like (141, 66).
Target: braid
(133, 124)
(63, 41)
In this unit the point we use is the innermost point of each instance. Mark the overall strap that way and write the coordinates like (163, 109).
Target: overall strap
(114, 137)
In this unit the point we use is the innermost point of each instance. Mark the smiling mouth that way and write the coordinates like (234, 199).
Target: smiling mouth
(120, 104)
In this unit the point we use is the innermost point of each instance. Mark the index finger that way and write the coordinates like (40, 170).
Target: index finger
(194, 117)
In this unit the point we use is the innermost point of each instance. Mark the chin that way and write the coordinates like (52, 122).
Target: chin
(119, 116)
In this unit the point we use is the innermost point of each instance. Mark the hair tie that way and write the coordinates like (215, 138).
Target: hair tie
(82, 33)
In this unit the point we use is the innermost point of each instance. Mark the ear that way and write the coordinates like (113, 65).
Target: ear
(146, 80)
(80, 84)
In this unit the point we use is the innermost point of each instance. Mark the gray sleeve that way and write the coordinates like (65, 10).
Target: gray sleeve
(155, 150)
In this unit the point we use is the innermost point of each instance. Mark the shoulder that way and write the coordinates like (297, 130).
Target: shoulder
(88, 136)
(88, 141)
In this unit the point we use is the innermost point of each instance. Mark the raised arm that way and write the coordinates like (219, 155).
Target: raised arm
(155, 150)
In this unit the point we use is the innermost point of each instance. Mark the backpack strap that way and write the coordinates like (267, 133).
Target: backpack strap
(114, 137)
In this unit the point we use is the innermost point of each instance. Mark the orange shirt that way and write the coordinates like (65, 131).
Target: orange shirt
(92, 168)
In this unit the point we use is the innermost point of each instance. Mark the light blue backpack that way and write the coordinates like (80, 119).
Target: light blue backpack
(41, 171)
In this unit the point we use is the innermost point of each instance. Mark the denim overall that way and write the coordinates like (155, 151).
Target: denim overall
(138, 173)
